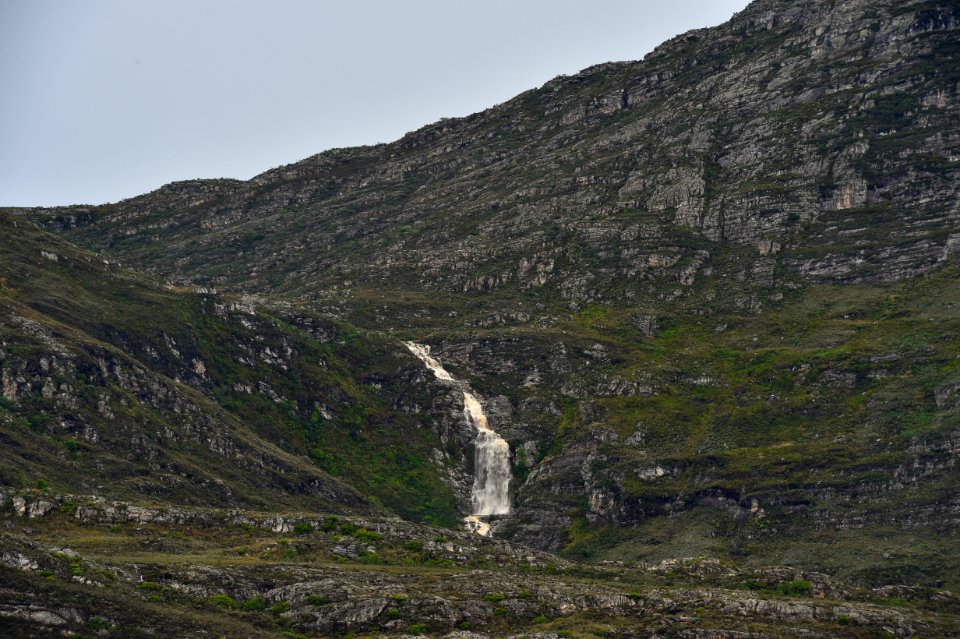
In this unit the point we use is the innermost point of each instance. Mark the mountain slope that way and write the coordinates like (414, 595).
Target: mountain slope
(709, 297)
(114, 385)
(816, 129)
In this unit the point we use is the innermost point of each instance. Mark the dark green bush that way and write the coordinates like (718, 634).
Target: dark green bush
(330, 523)
(255, 604)
(97, 623)
(795, 588)
(367, 535)
(224, 601)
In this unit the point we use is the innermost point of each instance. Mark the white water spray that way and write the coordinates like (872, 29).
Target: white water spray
(491, 480)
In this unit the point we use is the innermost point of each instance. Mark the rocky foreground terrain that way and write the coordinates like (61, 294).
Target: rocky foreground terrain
(710, 299)
(75, 565)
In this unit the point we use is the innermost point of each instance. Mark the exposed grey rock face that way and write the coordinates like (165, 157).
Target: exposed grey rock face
(18, 560)
(818, 128)
(543, 245)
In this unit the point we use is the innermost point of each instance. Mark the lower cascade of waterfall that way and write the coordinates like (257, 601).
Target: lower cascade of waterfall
(491, 480)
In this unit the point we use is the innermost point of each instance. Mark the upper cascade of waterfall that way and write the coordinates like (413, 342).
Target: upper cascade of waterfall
(491, 481)
(422, 351)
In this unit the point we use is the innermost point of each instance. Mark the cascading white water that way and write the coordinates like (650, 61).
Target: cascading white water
(492, 478)
(491, 481)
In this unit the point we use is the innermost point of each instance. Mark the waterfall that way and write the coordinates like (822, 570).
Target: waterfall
(491, 479)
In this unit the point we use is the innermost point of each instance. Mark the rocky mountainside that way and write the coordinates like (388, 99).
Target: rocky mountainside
(116, 385)
(807, 133)
(709, 298)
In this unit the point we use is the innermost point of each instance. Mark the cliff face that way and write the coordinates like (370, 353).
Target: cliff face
(810, 134)
(709, 297)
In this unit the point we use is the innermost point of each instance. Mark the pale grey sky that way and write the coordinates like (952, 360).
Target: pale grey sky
(107, 99)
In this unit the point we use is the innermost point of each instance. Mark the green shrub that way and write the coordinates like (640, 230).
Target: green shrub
(494, 597)
(540, 619)
(348, 528)
(68, 507)
(417, 629)
(255, 604)
(149, 585)
(41, 484)
(97, 623)
(317, 600)
(393, 612)
(303, 528)
(330, 523)
(895, 601)
(367, 535)
(36, 423)
(413, 545)
(795, 588)
(280, 607)
(440, 563)
(224, 601)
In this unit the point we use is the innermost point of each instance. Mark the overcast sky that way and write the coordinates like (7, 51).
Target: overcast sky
(106, 99)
